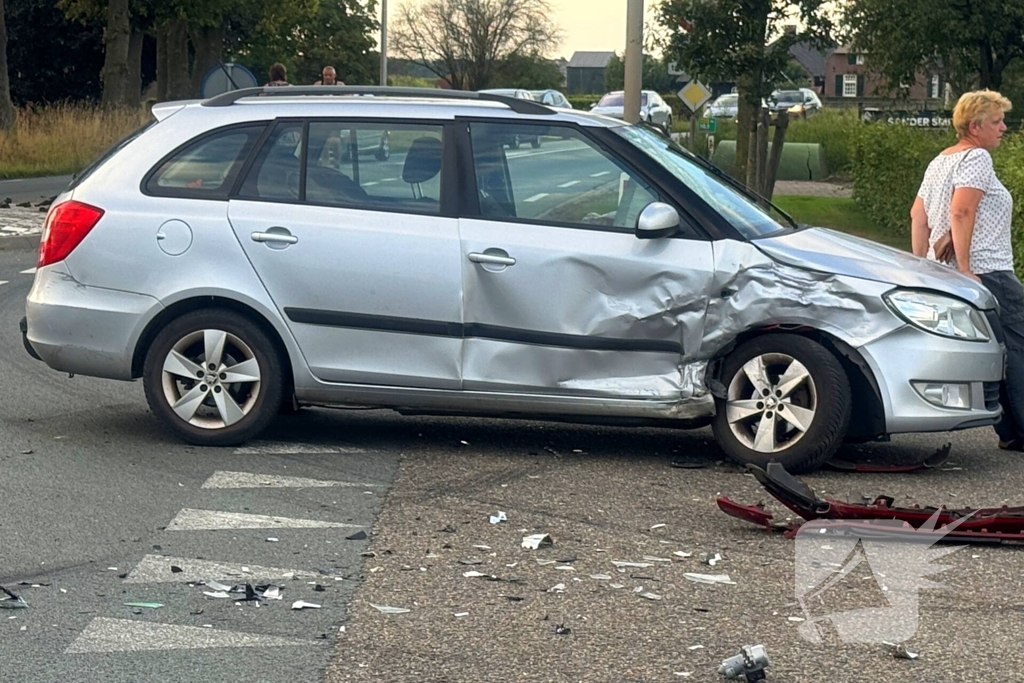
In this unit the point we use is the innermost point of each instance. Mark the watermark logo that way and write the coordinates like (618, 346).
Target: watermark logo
(892, 554)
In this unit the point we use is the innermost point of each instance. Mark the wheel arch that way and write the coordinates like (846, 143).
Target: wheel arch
(196, 303)
(867, 422)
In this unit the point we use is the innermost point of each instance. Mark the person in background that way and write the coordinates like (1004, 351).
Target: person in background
(329, 77)
(278, 75)
(962, 217)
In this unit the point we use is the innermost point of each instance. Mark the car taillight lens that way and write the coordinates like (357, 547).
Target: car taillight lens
(66, 226)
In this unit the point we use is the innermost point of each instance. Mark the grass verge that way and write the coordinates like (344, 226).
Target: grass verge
(62, 138)
(838, 213)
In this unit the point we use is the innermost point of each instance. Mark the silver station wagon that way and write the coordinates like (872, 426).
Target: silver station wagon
(241, 257)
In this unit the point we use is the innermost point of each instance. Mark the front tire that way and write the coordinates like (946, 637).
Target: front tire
(787, 400)
(213, 377)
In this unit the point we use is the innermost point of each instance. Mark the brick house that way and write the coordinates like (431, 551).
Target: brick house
(848, 76)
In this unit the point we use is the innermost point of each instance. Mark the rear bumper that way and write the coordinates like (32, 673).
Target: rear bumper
(23, 326)
(83, 330)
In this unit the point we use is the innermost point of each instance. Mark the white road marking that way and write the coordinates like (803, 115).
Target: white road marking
(278, 448)
(598, 175)
(388, 180)
(209, 520)
(570, 183)
(28, 271)
(248, 480)
(372, 182)
(157, 569)
(536, 197)
(3, 282)
(104, 634)
(520, 155)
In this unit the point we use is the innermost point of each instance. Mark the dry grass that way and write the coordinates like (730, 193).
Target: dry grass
(62, 138)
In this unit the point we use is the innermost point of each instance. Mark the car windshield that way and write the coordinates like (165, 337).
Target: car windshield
(789, 97)
(726, 100)
(749, 219)
(616, 99)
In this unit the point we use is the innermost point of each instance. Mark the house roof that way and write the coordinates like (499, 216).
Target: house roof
(590, 60)
(809, 58)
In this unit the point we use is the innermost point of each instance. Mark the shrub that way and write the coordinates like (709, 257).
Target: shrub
(835, 130)
(584, 102)
(887, 165)
(1009, 162)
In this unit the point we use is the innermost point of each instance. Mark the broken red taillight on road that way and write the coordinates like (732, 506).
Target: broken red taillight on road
(67, 224)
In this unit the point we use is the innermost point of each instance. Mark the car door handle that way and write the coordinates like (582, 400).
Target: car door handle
(274, 237)
(492, 259)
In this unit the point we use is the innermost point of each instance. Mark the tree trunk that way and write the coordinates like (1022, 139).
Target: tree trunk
(781, 124)
(208, 43)
(763, 122)
(161, 63)
(744, 111)
(752, 148)
(178, 81)
(985, 64)
(116, 38)
(6, 108)
(135, 67)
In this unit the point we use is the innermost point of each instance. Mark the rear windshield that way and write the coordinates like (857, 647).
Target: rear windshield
(789, 97)
(78, 178)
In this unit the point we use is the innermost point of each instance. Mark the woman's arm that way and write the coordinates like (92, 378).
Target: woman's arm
(963, 211)
(919, 230)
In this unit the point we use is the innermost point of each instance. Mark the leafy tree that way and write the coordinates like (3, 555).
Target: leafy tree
(731, 40)
(50, 57)
(655, 74)
(465, 42)
(971, 41)
(532, 72)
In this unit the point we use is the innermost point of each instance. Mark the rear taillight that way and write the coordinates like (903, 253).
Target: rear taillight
(66, 226)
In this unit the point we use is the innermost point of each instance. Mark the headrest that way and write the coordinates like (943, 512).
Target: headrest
(423, 161)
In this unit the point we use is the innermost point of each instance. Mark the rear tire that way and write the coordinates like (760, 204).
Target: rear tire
(235, 399)
(802, 419)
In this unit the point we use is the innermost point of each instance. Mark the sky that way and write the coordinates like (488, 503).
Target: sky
(586, 24)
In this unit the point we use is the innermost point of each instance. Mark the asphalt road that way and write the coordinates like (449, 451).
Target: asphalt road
(33, 189)
(98, 504)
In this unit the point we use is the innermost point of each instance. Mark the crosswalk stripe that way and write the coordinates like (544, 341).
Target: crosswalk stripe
(248, 480)
(208, 520)
(276, 448)
(104, 634)
(157, 569)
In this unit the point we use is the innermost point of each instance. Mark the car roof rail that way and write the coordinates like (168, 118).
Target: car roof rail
(516, 105)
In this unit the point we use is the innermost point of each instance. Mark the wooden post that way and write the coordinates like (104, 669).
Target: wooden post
(692, 146)
(751, 180)
(764, 123)
(781, 125)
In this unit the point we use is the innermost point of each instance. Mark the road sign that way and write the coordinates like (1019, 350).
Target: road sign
(707, 126)
(674, 70)
(694, 95)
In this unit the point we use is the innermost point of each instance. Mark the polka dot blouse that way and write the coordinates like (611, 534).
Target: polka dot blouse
(991, 249)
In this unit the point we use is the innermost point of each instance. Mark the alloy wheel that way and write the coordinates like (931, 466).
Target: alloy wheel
(771, 402)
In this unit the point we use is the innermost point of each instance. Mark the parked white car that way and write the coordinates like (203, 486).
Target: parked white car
(652, 108)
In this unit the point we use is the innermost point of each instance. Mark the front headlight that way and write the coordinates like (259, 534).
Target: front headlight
(796, 109)
(941, 315)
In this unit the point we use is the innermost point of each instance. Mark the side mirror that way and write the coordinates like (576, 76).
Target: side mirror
(657, 220)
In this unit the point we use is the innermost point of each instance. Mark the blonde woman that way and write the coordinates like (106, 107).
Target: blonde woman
(962, 217)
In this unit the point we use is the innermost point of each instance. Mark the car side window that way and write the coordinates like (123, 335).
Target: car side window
(206, 168)
(275, 173)
(571, 182)
(392, 166)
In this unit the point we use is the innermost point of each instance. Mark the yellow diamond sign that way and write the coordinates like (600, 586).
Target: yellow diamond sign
(694, 95)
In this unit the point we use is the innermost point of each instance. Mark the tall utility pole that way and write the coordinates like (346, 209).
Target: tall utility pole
(383, 42)
(634, 59)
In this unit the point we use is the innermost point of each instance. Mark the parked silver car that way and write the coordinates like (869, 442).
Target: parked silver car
(228, 258)
(652, 108)
(802, 102)
(552, 98)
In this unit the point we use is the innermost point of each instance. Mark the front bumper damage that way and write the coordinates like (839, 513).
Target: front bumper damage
(929, 524)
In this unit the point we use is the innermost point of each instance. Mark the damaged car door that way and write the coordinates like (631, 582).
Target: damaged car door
(562, 295)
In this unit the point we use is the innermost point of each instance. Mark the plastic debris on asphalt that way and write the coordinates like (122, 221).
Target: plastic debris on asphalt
(900, 651)
(680, 553)
(557, 588)
(146, 605)
(749, 664)
(650, 596)
(710, 578)
(535, 541)
(302, 604)
(601, 577)
(652, 558)
(384, 609)
(622, 564)
(9, 600)
(562, 630)
(658, 526)
(500, 517)
(357, 536)
(710, 560)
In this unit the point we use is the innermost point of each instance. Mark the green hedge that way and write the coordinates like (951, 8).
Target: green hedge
(584, 102)
(1009, 161)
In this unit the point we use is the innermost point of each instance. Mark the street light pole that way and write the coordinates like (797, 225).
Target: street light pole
(383, 42)
(634, 60)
